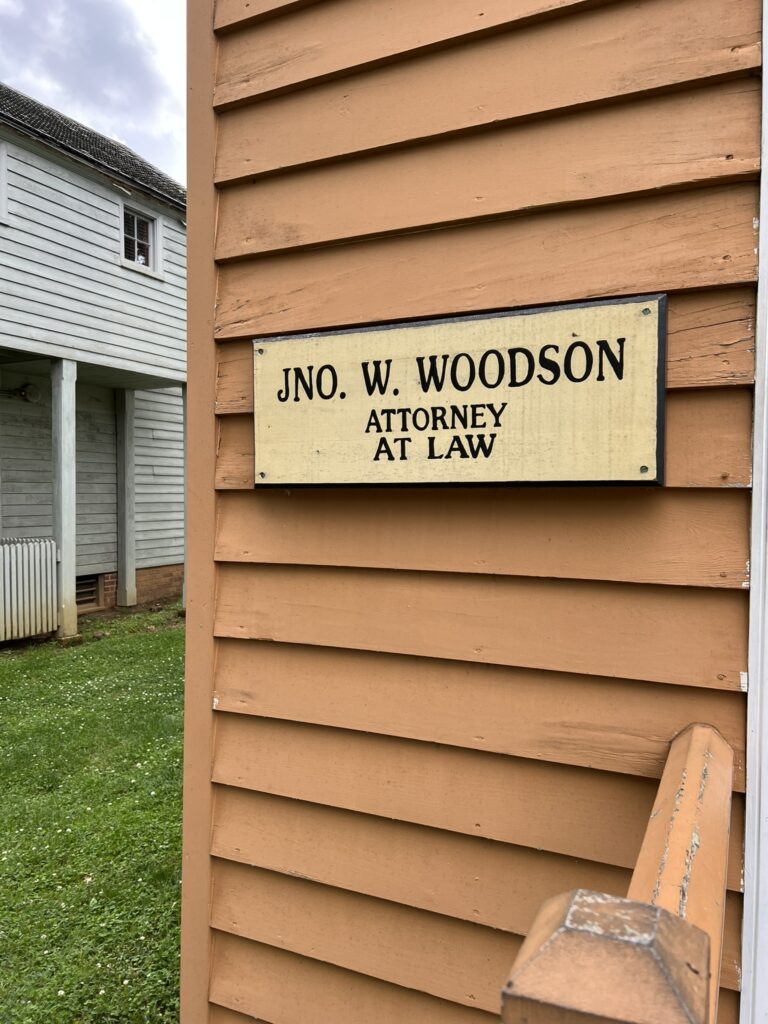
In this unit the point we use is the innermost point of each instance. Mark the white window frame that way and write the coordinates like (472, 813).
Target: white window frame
(4, 218)
(155, 268)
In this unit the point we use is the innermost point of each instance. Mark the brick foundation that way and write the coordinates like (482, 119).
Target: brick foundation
(159, 583)
(109, 590)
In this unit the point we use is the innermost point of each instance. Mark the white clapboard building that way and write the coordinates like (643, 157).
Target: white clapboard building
(92, 371)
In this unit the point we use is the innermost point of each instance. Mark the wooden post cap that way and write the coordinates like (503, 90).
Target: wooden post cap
(590, 957)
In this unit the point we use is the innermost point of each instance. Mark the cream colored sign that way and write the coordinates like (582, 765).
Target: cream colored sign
(558, 395)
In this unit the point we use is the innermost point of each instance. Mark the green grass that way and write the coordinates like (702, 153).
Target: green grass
(90, 823)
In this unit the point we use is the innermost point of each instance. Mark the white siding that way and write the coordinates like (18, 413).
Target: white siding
(159, 439)
(96, 480)
(65, 292)
(25, 460)
(26, 470)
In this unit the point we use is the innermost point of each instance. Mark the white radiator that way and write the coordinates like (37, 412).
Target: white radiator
(28, 605)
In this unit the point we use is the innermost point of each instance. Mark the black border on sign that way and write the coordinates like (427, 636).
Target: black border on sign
(661, 364)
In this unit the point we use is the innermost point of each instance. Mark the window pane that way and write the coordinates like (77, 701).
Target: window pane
(130, 248)
(129, 223)
(142, 229)
(143, 254)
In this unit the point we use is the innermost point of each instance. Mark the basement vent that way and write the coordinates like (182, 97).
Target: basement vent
(87, 593)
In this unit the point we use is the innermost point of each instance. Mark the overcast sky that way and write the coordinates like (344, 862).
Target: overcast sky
(116, 65)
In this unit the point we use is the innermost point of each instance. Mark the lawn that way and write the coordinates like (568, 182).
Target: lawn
(90, 824)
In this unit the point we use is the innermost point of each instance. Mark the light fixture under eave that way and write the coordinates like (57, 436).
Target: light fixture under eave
(26, 392)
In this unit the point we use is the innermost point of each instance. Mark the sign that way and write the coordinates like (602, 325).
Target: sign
(560, 395)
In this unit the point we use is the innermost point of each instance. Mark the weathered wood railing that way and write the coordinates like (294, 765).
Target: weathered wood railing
(654, 956)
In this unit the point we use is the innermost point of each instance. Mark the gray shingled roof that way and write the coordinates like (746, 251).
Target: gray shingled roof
(49, 126)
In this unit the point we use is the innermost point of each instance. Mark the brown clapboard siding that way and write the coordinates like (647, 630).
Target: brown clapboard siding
(685, 537)
(455, 960)
(614, 725)
(710, 343)
(650, 144)
(708, 442)
(471, 694)
(615, 50)
(467, 877)
(728, 1007)
(450, 875)
(710, 338)
(331, 38)
(690, 636)
(468, 619)
(696, 239)
(574, 811)
(220, 1015)
(452, 959)
(261, 980)
(237, 13)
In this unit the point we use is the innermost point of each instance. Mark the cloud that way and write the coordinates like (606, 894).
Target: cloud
(92, 60)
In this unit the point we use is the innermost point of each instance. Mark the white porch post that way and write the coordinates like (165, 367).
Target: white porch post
(125, 405)
(63, 382)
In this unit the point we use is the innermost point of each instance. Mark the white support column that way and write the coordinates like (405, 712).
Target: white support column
(125, 406)
(63, 383)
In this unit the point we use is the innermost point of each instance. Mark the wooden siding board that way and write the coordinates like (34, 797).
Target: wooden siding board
(708, 442)
(711, 338)
(710, 343)
(574, 811)
(309, 46)
(75, 315)
(265, 982)
(702, 238)
(460, 961)
(26, 487)
(728, 1007)
(615, 50)
(651, 144)
(166, 311)
(444, 957)
(694, 637)
(467, 877)
(221, 1015)
(236, 13)
(680, 537)
(97, 489)
(159, 526)
(337, 36)
(613, 725)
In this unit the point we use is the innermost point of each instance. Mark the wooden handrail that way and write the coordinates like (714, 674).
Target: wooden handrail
(654, 956)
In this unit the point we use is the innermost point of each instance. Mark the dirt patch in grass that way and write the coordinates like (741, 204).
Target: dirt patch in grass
(90, 824)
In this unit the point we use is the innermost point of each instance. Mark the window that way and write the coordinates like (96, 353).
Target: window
(141, 239)
(138, 239)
